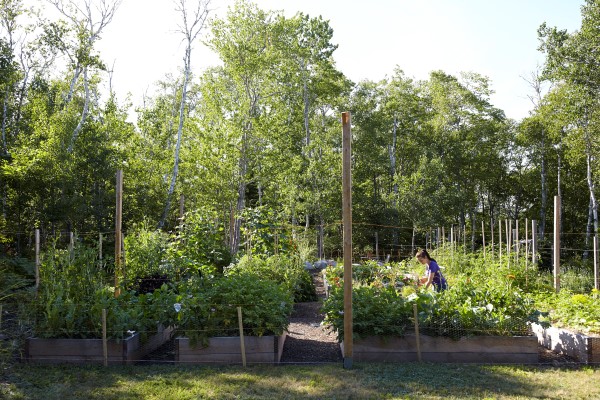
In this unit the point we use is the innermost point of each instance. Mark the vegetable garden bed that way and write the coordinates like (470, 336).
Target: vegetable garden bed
(471, 349)
(84, 351)
(582, 348)
(227, 350)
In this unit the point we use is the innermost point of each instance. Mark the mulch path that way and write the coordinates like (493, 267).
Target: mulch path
(308, 340)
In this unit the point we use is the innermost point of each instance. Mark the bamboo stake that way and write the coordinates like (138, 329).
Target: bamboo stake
(104, 340)
(417, 336)
(242, 342)
(347, 239)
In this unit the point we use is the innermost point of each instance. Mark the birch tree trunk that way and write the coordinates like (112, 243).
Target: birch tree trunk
(190, 29)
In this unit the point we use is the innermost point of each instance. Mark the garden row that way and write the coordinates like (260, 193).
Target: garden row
(178, 290)
(486, 299)
(182, 285)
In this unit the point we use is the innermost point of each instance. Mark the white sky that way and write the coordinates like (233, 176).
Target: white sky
(496, 38)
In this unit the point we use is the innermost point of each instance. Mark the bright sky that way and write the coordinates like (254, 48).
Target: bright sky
(496, 38)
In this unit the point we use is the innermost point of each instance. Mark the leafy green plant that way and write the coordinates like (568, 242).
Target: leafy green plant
(199, 310)
(377, 310)
(72, 293)
(577, 311)
(199, 247)
(287, 270)
(146, 266)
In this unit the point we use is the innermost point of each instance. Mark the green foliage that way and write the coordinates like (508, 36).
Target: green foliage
(377, 310)
(468, 309)
(72, 294)
(199, 310)
(199, 248)
(145, 251)
(579, 311)
(286, 270)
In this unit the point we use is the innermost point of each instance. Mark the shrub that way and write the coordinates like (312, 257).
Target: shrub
(199, 248)
(198, 310)
(145, 250)
(286, 270)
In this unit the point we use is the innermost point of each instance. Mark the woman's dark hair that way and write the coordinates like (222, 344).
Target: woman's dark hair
(422, 253)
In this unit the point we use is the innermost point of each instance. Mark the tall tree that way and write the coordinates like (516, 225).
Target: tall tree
(191, 27)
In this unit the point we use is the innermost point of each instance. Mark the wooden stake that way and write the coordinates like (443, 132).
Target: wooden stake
(492, 234)
(118, 237)
(557, 243)
(483, 237)
(417, 336)
(104, 340)
(37, 260)
(347, 241)
(452, 245)
(534, 242)
(596, 276)
(242, 342)
(526, 243)
(181, 208)
(500, 241)
(517, 240)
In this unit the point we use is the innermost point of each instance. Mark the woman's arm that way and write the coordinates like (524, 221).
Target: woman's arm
(429, 280)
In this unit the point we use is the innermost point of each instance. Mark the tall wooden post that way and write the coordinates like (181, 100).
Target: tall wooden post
(557, 243)
(118, 235)
(347, 219)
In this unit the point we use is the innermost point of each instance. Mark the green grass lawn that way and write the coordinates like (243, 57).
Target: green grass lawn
(364, 381)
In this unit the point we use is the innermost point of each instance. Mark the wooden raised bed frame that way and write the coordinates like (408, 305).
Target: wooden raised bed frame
(472, 349)
(90, 351)
(227, 350)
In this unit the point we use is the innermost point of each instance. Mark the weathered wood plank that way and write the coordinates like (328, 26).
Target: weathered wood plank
(476, 349)
(227, 350)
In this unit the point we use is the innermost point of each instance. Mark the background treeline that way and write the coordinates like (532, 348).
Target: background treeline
(256, 141)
